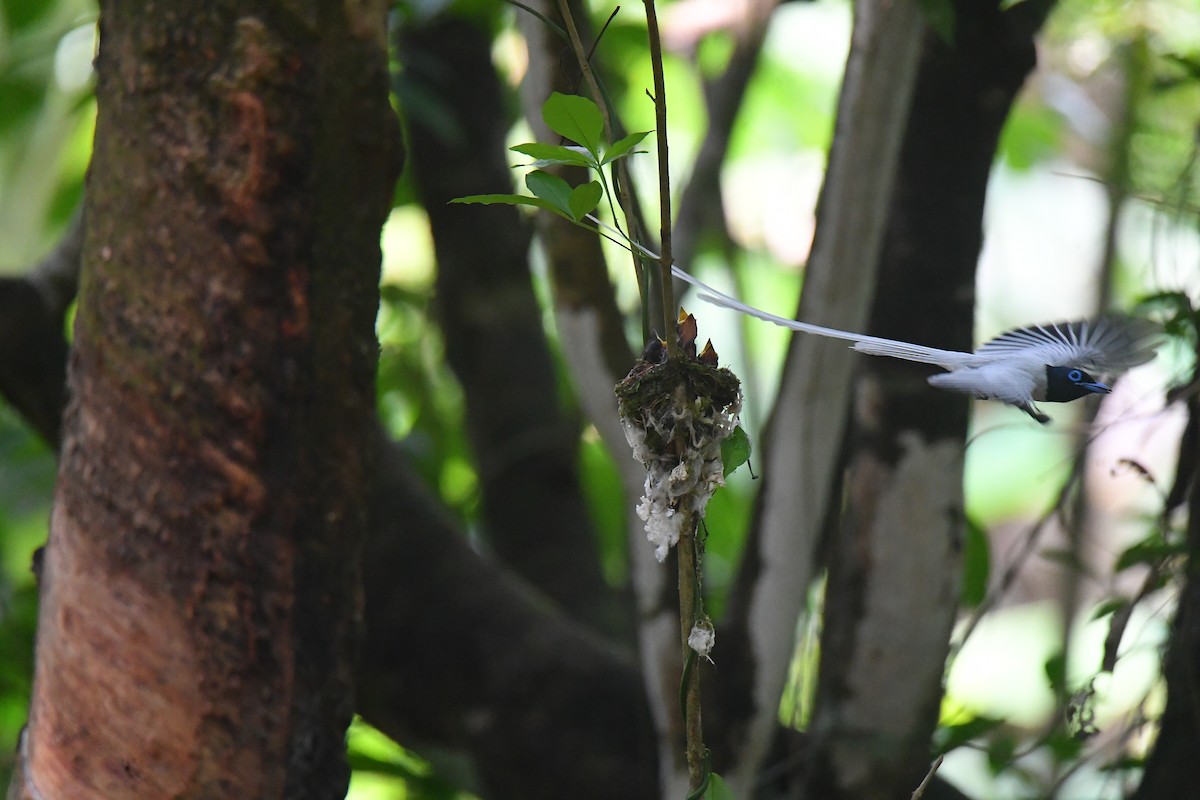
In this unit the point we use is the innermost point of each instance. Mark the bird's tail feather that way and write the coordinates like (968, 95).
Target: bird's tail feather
(871, 345)
(949, 359)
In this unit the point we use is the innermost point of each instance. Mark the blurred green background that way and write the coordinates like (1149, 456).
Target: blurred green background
(1117, 94)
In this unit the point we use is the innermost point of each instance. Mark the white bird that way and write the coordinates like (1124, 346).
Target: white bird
(1041, 363)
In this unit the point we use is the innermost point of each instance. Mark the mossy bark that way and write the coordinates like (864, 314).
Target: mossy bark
(200, 595)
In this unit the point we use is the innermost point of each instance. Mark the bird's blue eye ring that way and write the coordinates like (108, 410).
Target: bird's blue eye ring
(1074, 375)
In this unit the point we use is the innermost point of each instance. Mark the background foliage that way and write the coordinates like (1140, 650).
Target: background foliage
(1115, 100)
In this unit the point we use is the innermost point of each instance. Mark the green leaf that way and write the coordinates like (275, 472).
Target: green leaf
(551, 154)
(1064, 747)
(1148, 551)
(623, 145)
(977, 564)
(1123, 763)
(1190, 64)
(575, 118)
(552, 189)
(950, 737)
(511, 200)
(1175, 301)
(1056, 671)
(718, 789)
(1031, 136)
(549, 192)
(1001, 751)
(584, 199)
(1111, 606)
(1181, 319)
(735, 450)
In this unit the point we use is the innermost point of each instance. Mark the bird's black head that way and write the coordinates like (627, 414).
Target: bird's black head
(1064, 384)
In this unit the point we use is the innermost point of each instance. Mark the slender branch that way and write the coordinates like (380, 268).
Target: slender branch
(689, 566)
(664, 172)
(689, 607)
(920, 790)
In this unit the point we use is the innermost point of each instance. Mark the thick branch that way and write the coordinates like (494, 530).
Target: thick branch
(461, 656)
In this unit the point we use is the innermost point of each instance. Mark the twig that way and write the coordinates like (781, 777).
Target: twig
(664, 178)
(689, 600)
(1015, 565)
(919, 792)
(686, 548)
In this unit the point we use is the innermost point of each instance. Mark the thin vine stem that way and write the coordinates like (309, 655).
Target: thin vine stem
(686, 551)
(689, 605)
(666, 259)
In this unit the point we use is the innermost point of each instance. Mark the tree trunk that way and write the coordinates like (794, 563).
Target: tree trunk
(200, 591)
(1171, 766)
(893, 584)
(800, 463)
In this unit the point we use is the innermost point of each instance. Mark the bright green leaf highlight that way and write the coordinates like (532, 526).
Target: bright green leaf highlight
(575, 118)
(735, 450)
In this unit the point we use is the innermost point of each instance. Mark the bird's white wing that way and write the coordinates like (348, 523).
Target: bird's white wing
(872, 345)
(1105, 344)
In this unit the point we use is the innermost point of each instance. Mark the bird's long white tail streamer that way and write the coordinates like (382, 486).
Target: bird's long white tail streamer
(871, 345)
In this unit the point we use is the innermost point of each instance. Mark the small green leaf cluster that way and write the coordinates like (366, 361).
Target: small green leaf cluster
(578, 120)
